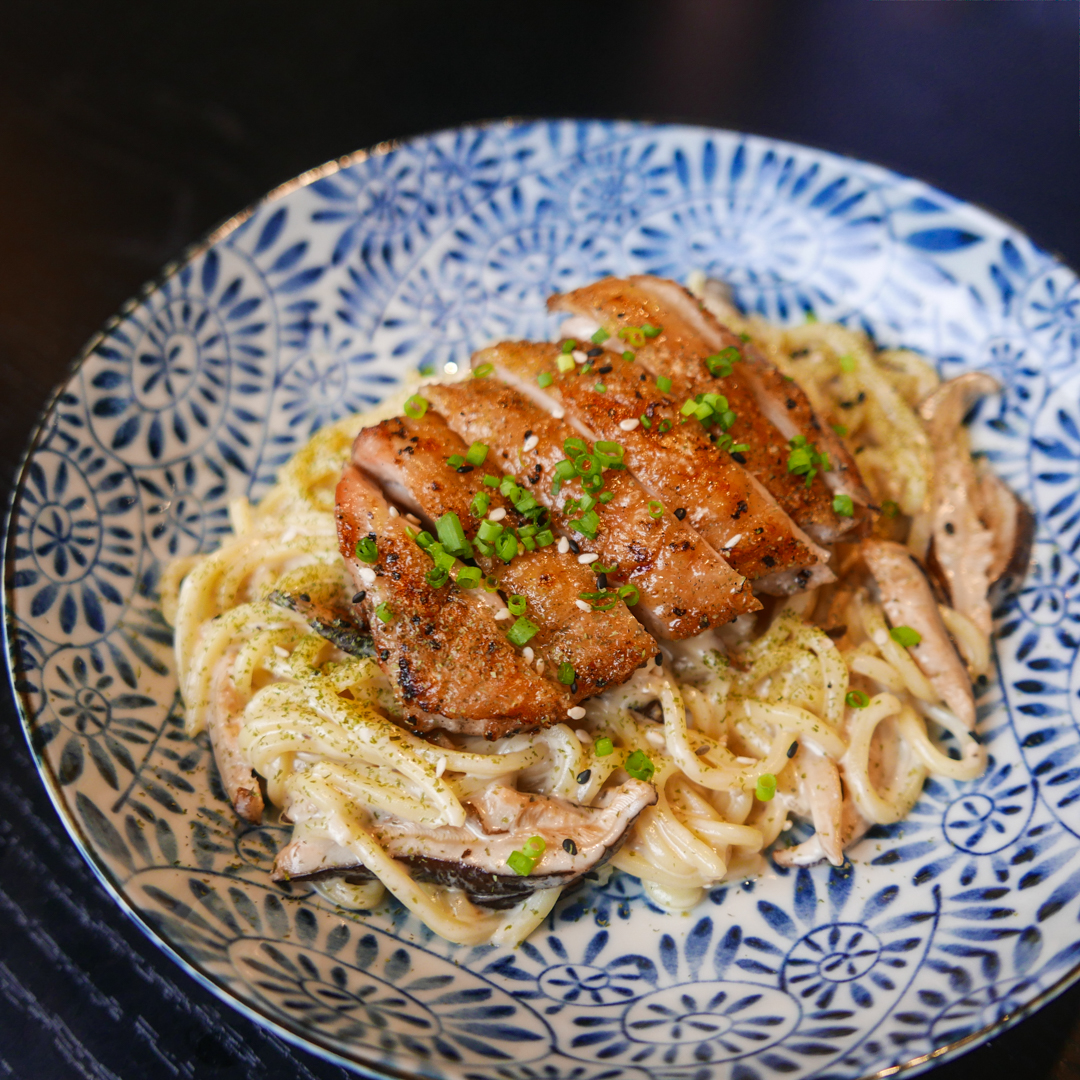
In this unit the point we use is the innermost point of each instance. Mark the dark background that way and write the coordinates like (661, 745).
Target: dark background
(129, 129)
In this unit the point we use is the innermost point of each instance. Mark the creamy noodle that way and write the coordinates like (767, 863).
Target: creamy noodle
(725, 717)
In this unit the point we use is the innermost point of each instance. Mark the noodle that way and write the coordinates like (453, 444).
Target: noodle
(728, 718)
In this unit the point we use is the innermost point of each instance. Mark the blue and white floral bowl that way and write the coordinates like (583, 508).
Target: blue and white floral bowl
(940, 931)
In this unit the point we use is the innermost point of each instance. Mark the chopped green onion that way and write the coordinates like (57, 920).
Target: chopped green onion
(491, 481)
(520, 863)
(587, 524)
(516, 604)
(455, 461)
(889, 508)
(569, 345)
(575, 447)
(840, 430)
(628, 356)
(384, 612)
(366, 550)
(424, 539)
(804, 459)
(600, 336)
(452, 536)
(645, 421)
(597, 568)
(651, 331)
(490, 584)
(766, 787)
(629, 594)
(843, 505)
(485, 549)
(545, 379)
(847, 362)
(738, 448)
(566, 673)
(522, 632)
(857, 699)
(468, 577)
(534, 847)
(906, 636)
(443, 559)
(603, 747)
(483, 371)
(489, 531)
(610, 454)
(600, 388)
(545, 538)
(528, 543)
(663, 426)
(721, 364)
(506, 546)
(605, 496)
(415, 407)
(640, 766)
(481, 503)
(437, 577)
(600, 601)
(664, 384)
(565, 363)
(632, 335)
(656, 508)
(477, 453)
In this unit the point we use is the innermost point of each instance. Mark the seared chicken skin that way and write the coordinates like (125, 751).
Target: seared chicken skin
(409, 459)
(448, 659)
(684, 585)
(770, 409)
(673, 460)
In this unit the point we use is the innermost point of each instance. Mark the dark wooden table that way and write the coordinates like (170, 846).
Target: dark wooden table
(129, 129)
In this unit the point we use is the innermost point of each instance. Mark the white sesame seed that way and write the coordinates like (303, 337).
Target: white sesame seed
(279, 651)
(654, 738)
(440, 766)
(539, 667)
(629, 425)
(589, 557)
(746, 760)
(563, 546)
(497, 514)
(583, 735)
(531, 443)
(583, 605)
(730, 543)
(558, 412)
(786, 826)
(528, 654)
(579, 356)
(576, 713)
(502, 614)
(393, 511)
(367, 575)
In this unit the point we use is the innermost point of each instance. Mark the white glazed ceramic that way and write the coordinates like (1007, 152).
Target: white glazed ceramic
(941, 929)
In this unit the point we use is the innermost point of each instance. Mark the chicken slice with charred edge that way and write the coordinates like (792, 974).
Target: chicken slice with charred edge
(473, 857)
(684, 586)
(700, 356)
(408, 457)
(672, 459)
(447, 658)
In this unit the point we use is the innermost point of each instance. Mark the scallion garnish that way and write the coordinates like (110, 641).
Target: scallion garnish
(489, 531)
(603, 747)
(600, 388)
(905, 636)
(491, 481)
(545, 538)
(506, 546)
(765, 788)
(480, 504)
(600, 336)
(628, 356)
(367, 550)
(805, 460)
(468, 577)
(477, 453)
(483, 371)
(545, 379)
(639, 765)
(569, 345)
(840, 430)
(651, 331)
(843, 505)
(384, 612)
(598, 568)
(415, 407)
(424, 539)
(629, 594)
(565, 363)
(587, 524)
(516, 604)
(847, 363)
(721, 364)
(632, 335)
(856, 699)
(455, 461)
(566, 673)
(663, 384)
(522, 632)
(656, 508)
(452, 536)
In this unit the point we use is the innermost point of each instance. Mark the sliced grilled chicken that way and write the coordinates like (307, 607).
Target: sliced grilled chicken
(409, 459)
(684, 585)
(429, 641)
(671, 458)
(769, 408)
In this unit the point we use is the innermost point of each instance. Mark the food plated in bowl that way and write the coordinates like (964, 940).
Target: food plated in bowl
(317, 306)
(568, 553)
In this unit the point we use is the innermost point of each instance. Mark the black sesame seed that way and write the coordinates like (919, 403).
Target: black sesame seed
(792, 748)
(528, 435)
(305, 598)
(605, 369)
(601, 581)
(595, 352)
(950, 528)
(358, 598)
(465, 468)
(573, 687)
(680, 512)
(575, 547)
(392, 557)
(739, 456)
(569, 846)
(384, 654)
(659, 658)
(583, 776)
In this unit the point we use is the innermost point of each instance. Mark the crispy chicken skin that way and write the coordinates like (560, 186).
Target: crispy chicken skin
(684, 585)
(447, 659)
(409, 459)
(770, 409)
(674, 461)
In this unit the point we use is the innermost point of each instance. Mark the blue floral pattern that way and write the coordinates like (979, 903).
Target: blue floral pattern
(321, 300)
